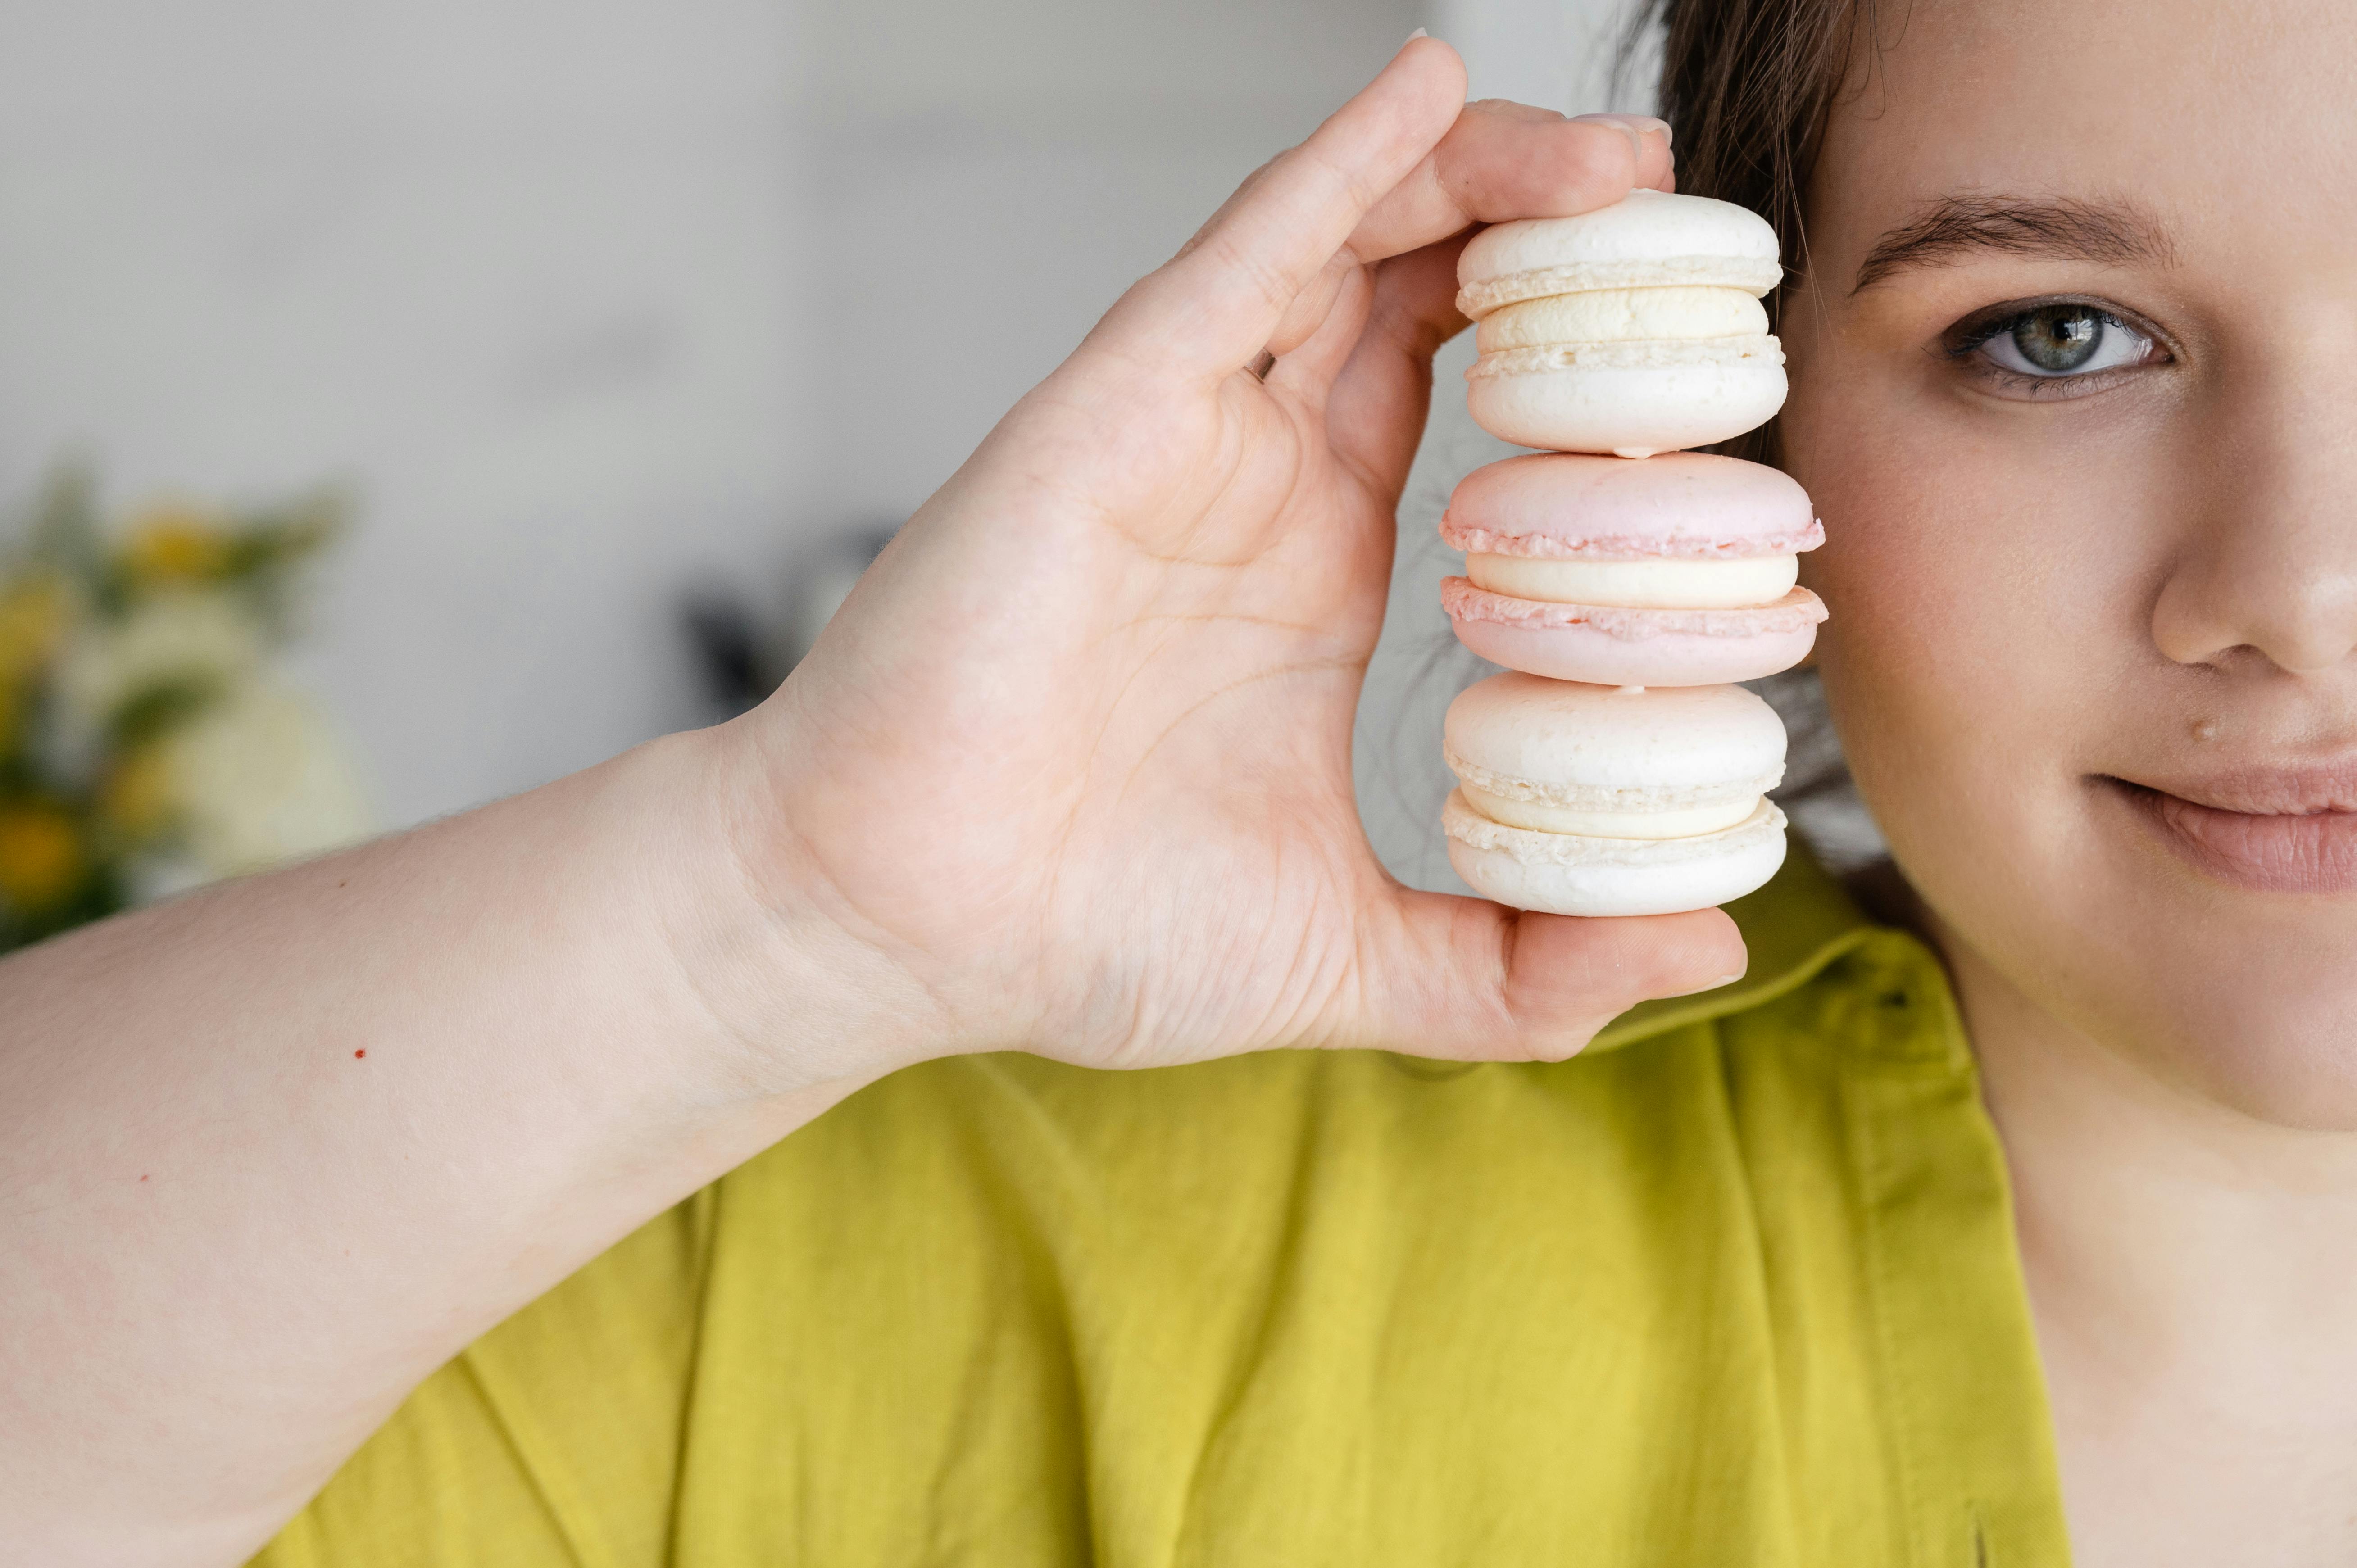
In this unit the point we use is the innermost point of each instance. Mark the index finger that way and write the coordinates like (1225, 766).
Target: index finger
(1214, 306)
(1502, 160)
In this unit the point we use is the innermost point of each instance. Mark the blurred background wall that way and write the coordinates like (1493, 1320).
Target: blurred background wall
(595, 301)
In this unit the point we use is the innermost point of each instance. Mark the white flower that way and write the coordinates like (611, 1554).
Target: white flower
(259, 778)
(204, 637)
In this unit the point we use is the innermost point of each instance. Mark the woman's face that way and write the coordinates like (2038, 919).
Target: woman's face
(2074, 369)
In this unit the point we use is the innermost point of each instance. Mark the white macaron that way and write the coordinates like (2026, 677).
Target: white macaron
(1633, 329)
(1579, 799)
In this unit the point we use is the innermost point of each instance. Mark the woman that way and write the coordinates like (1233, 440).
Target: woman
(1790, 1273)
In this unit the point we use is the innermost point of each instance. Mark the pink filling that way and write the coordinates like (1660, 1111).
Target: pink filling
(1795, 610)
(1628, 547)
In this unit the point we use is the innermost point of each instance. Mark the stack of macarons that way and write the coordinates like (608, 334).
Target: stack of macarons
(1616, 769)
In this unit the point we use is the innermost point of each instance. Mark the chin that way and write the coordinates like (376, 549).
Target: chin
(2228, 988)
(2242, 942)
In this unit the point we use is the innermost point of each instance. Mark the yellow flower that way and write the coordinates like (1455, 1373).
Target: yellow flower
(32, 617)
(41, 858)
(175, 543)
(136, 799)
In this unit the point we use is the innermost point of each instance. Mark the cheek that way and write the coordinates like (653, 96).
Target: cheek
(1981, 612)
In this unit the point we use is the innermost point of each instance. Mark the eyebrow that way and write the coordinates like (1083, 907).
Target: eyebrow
(1956, 226)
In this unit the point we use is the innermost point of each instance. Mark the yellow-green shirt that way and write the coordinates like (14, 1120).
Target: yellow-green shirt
(1739, 1285)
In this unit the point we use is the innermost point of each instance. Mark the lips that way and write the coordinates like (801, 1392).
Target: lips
(2287, 831)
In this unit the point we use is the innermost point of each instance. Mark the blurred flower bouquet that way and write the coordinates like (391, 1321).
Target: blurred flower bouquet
(144, 744)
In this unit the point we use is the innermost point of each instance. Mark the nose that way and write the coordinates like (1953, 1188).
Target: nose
(2267, 572)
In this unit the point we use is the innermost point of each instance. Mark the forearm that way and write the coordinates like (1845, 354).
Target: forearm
(270, 1153)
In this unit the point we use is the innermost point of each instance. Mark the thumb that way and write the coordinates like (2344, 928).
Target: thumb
(1471, 980)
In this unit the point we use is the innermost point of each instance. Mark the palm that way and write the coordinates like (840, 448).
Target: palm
(1215, 806)
(1077, 753)
(1126, 712)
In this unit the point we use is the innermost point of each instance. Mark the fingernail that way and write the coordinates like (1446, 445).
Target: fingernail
(1722, 979)
(1419, 33)
(1636, 124)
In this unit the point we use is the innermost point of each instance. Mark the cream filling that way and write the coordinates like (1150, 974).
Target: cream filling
(1622, 314)
(1669, 582)
(1540, 817)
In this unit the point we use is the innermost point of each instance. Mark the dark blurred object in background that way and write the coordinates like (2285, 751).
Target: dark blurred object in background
(742, 652)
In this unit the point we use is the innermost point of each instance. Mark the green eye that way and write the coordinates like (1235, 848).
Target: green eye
(2059, 338)
(2055, 341)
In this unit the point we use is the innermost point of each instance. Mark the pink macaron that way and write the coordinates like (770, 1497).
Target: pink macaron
(1676, 571)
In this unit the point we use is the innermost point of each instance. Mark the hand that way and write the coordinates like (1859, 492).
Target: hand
(1073, 761)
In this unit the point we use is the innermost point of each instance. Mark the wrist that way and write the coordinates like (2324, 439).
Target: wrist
(788, 997)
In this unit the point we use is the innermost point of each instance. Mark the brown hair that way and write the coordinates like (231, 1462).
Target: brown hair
(1749, 86)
